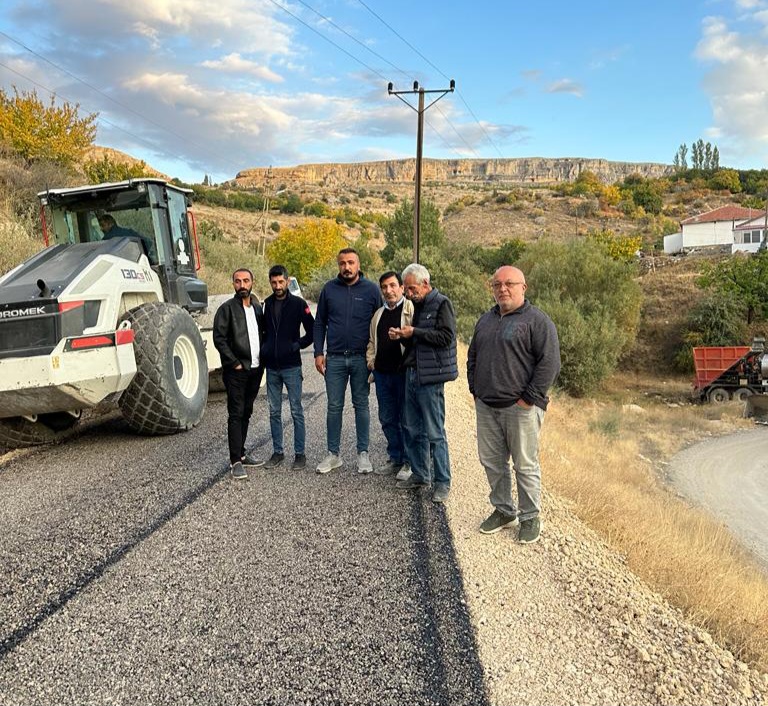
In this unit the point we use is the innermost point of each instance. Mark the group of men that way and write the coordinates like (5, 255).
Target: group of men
(401, 336)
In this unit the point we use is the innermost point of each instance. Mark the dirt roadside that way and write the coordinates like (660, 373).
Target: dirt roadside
(564, 620)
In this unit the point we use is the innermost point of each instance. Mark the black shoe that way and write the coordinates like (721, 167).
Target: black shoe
(530, 531)
(274, 461)
(440, 494)
(249, 460)
(299, 462)
(238, 472)
(411, 484)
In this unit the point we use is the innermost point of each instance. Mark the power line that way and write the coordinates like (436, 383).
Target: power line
(414, 49)
(114, 100)
(362, 63)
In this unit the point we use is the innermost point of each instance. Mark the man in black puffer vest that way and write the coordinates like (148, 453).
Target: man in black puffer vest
(430, 362)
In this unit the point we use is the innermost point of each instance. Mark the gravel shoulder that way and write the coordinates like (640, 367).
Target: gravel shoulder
(564, 620)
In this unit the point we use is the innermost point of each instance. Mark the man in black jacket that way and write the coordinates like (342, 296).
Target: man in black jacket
(238, 334)
(285, 315)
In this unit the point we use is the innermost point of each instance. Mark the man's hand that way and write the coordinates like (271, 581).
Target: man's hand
(398, 333)
(239, 366)
(320, 364)
(522, 403)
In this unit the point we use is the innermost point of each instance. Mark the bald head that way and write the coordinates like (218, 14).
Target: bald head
(509, 287)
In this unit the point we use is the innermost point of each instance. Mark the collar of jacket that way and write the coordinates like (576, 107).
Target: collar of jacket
(254, 299)
(525, 305)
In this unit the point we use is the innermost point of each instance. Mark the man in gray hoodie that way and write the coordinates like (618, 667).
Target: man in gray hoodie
(513, 359)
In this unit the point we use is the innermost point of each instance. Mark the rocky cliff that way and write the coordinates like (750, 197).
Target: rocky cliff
(532, 170)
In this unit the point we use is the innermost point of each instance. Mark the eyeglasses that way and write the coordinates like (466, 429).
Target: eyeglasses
(504, 285)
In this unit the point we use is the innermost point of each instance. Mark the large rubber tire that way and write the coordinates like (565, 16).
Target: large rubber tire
(170, 389)
(742, 394)
(718, 395)
(19, 433)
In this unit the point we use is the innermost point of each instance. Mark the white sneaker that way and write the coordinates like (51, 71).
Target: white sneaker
(364, 463)
(404, 473)
(330, 462)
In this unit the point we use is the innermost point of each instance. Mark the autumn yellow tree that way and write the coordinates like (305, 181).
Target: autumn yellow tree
(623, 248)
(105, 169)
(36, 131)
(304, 248)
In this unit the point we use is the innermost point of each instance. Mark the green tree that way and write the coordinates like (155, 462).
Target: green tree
(398, 229)
(716, 320)
(744, 276)
(37, 131)
(594, 301)
(307, 246)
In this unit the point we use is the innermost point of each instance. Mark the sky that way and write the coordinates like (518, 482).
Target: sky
(197, 87)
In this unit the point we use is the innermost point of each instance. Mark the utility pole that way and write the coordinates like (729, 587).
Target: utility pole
(419, 148)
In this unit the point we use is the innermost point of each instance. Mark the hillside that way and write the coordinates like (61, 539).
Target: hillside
(523, 171)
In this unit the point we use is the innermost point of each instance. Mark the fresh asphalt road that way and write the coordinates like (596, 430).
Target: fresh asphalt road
(136, 571)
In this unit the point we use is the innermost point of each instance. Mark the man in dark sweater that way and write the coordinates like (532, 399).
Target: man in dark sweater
(344, 312)
(285, 314)
(385, 360)
(513, 359)
(238, 334)
(430, 362)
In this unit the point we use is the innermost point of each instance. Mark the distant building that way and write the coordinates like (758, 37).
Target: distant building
(748, 236)
(714, 227)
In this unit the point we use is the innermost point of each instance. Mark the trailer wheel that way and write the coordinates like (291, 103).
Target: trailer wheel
(170, 389)
(20, 432)
(742, 394)
(718, 395)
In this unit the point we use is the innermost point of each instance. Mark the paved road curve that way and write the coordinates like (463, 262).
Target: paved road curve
(729, 477)
(135, 571)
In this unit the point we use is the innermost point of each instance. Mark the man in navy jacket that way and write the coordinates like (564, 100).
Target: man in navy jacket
(286, 314)
(344, 313)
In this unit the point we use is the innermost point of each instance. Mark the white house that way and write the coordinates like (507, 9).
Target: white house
(747, 236)
(711, 228)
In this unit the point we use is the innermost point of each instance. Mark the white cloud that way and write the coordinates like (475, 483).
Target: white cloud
(235, 64)
(566, 85)
(737, 85)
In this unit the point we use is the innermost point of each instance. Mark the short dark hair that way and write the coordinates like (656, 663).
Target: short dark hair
(348, 251)
(242, 269)
(389, 274)
(278, 271)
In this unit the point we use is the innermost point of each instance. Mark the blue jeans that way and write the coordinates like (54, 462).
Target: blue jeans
(425, 430)
(390, 393)
(511, 432)
(292, 379)
(339, 369)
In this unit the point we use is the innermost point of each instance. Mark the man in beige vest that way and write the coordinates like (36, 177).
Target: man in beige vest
(385, 357)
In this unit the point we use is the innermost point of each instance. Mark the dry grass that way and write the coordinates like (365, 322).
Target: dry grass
(607, 459)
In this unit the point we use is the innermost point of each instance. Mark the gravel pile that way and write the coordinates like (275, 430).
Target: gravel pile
(564, 621)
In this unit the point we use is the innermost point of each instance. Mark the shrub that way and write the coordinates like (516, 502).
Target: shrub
(594, 302)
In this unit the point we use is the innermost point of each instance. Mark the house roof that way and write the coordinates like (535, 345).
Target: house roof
(757, 222)
(724, 213)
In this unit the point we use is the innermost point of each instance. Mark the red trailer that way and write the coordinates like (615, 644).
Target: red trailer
(731, 372)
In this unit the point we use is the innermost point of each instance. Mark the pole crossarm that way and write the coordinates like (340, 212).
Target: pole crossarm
(421, 92)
